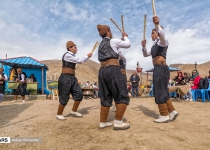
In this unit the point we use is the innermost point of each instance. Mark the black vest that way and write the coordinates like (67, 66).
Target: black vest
(2, 86)
(122, 65)
(20, 78)
(105, 51)
(157, 50)
(68, 64)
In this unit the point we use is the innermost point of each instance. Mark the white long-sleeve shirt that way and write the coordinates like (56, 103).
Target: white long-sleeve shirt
(162, 41)
(5, 77)
(117, 43)
(22, 77)
(121, 56)
(70, 57)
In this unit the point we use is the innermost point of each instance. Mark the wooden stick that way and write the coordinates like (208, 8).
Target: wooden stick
(95, 46)
(116, 25)
(154, 10)
(145, 19)
(122, 20)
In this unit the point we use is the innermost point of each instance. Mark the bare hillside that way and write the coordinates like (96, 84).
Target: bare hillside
(84, 72)
(203, 69)
(87, 71)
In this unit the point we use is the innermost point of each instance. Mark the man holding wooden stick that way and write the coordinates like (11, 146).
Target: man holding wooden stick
(161, 73)
(21, 89)
(111, 81)
(68, 83)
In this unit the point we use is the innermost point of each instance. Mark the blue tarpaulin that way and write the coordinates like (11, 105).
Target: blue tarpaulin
(23, 62)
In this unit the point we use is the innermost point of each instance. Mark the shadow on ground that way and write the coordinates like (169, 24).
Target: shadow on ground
(12, 111)
(146, 111)
(84, 111)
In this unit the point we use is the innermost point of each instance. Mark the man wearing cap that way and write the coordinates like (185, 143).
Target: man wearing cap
(3, 79)
(112, 84)
(68, 83)
(21, 89)
(161, 73)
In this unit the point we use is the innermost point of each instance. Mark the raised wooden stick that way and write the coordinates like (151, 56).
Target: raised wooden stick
(122, 20)
(154, 10)
(145, 20)
(95, 46)
(116, 25)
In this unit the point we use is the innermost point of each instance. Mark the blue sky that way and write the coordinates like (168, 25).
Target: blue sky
(41, 28)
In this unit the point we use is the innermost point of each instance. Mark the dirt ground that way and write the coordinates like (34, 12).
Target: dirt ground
(36, 118)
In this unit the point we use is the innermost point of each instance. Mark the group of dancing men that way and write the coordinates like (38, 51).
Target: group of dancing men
(112, 78)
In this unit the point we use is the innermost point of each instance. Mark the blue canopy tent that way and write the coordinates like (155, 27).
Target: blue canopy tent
(30, 66)
(170, 68)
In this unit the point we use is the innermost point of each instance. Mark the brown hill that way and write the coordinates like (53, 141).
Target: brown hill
(203, 69)
(87, 71)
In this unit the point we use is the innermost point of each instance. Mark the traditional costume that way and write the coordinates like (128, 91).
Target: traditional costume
(68, 83)
(3, 79)
(122, 63)
(161, 77)
(112, 83)
(21, 89)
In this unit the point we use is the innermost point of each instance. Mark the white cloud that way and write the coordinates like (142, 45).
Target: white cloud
(19, 27)
(178, 18)
(2, 24)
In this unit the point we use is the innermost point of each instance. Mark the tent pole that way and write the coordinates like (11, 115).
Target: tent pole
(42, 81)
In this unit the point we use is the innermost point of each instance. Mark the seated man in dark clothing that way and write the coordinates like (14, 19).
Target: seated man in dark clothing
(33, 77)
